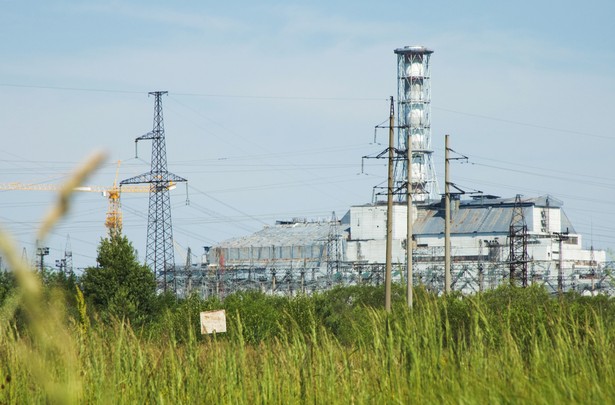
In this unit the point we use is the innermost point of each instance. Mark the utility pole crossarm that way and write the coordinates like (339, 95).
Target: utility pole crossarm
(149, 135)
(152, 177)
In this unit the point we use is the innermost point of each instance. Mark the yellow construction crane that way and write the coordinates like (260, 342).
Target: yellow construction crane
(113, 220)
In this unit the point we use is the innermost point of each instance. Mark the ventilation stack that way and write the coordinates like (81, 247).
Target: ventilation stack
(413, 117)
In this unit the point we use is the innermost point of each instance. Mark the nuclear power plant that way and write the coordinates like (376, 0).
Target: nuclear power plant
(444, 239)
(493, 239)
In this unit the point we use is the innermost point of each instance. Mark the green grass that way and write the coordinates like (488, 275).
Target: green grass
(507, 346)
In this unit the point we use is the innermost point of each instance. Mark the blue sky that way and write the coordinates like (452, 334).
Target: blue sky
(272, 104)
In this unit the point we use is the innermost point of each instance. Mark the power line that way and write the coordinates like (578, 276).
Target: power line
(565, 176)
(212, 95)
(305, 98)
(259, 146)
(585, 181)
(525, 124)
(226, 204)
(567, 173)
(532, 190)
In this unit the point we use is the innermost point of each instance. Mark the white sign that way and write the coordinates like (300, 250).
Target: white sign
(213, 321)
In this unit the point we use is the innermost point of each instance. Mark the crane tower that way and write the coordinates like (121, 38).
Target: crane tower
(113, 221)
(413, 116)
(159, 248)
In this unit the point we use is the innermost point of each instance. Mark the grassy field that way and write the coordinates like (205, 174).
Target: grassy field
(507, 346)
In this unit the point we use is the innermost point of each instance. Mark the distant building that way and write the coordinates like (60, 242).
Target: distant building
(479, 240)
(300, 253)
(295, 255)
(288, 244)
(477, 225)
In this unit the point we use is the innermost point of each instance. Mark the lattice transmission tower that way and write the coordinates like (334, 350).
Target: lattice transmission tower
(518, 238)
(334, 252)
(159, 249)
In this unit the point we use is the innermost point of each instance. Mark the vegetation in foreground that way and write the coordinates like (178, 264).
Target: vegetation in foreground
(120, 343)
(510, 345)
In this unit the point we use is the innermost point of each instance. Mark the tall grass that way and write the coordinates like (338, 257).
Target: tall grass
(507, 346)
(412, 356)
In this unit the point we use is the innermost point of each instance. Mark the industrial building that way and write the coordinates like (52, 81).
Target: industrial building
(481, 243)
(303, 256)
(490, 237)
(295, 255)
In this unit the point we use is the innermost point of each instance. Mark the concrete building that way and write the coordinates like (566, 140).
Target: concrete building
(480, 245)
(300, 255)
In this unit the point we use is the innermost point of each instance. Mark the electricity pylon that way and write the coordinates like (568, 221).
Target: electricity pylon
(518, 238)
(159, 249)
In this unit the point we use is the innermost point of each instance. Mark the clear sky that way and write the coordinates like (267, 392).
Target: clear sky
(271, 106)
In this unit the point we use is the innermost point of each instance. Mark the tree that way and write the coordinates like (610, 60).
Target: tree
(7, 284)
(119, 286)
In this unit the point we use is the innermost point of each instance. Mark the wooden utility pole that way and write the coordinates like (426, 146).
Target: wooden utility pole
(389, 246)
(409, 244)
(447, 220)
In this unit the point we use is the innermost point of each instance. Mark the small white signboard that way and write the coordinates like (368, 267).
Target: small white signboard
(213, 321)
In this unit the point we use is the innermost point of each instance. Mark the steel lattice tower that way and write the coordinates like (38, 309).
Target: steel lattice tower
(413, 117)
(518, 238)
(68, 256)
(159, 249)
(334, 248)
